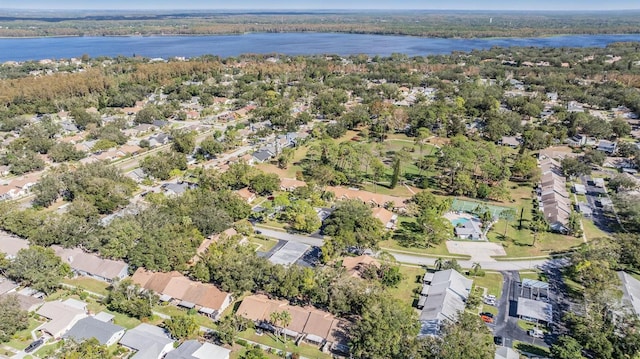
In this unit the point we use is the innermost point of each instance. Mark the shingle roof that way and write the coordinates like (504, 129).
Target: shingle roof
(147, 339)
(91, 327)
(90, 263)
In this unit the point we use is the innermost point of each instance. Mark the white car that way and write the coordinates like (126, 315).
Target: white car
(536, 333)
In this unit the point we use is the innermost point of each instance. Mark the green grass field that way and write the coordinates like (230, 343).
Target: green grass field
(90, 284)
(412, 279)
(21, 339)
(492, 281)
(305, 350)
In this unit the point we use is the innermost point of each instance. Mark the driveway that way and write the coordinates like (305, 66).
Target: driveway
(506, 324)
(284, 236)
(479, 251)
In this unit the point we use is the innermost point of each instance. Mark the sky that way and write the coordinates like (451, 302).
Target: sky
(325, 4)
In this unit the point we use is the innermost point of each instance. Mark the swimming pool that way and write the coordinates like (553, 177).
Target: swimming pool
(459, 221)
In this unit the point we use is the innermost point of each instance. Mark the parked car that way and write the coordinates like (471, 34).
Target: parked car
(498, 340)
(33, 345)
(486, 319)
(490, 315)
(490, 299)
(536, 333)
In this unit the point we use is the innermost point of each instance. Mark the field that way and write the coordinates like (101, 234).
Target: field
(89, 284)
(491, 281)
(411, 280)
(269, 339)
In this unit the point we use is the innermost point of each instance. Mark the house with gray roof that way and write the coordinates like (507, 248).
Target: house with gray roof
(149, 341)
(442, 299)
(262, 155)
(469, 230)
(62, 316)
(106, 333)
(90, 265)
(192, 349)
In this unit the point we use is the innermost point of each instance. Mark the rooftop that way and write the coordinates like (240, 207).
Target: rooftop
(535, 309)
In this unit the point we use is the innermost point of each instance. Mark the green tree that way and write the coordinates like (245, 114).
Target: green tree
(302, 217)
(467, 338)
(384, 330)
(352, 225)
(14, 319)
(63, 152)
(87, 349)
(265, 183)
(183, 141)
(253, 353)
(566, 347)
(396, 173)
(128, 298)
(39, 268)
(182, 327)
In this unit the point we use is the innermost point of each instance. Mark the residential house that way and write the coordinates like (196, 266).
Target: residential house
(510, 141)
(193, 349)
(126, 150)
(149, 341)
(309, 324)
(356, 265)
(246, 194)
(62, 316)
(137, 175)
(7, 286)
(442, 299)
(370, 198)
(469, 230)
(385, 216)
(579, 189)
(574, 106)
(159, 139)
(553, 198)
(536, 311)
(174, 286)
(607, 147)
(175, 189)
(90, 265)
(289, 184)
(11, 245)
(106, 333)
(27, 303)
(262, 155)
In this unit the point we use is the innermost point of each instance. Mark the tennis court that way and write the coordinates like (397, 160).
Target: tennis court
(471, 206)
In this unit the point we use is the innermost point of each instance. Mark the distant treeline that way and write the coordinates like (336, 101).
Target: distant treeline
(432, 24)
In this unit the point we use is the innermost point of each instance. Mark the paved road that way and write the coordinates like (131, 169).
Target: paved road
(312, 241)
(417, 259)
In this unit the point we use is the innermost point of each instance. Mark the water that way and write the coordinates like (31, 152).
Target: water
(285, 43)
(459, 221)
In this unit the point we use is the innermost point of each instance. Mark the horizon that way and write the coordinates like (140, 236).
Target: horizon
(327, 5)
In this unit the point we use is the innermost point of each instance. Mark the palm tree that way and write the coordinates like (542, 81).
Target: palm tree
(439, 263)
(507, 215)
(475, 268)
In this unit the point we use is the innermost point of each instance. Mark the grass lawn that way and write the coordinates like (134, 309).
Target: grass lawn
(437, 251)
(491, 281)
(399, 191)
(591, 231)
(490, 309)
(174, 311)
(90, 284)
(21, 339)
(263, 244)
(123, 320)
(305, 350)
(411, 279)
(289, 172)
(46, 350)
(532, 349)
(530, 275)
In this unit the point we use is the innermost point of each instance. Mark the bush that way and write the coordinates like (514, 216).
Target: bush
(241, 342)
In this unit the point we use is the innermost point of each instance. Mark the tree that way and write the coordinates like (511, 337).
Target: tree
(14, 319)
(422, 134)
(253, 353)
(183, 141)
(182, 327)
(280, 320)
(39, 268)
(127, 298)
(384, 330)
(230, 326)
(573, 167)
(265, 183)
(620, 127)
(47, 190)
(396, 173)
(302, 217)
(285, 157)
(507, 215)
(63, 152)
(87, 349)
(210, 147)
(352, 225)
(566, 347)
(433, 227)
(160, 165)
(467, 338)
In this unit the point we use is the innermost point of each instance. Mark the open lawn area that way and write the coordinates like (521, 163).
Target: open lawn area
(491, 281)
(21, 339)
(262, 243)
(411, 280)
(47, 350)
(305, 350)
(438, 251)
(399, 191)
(591, 231)
(530, 275)
(89, 284)
(531, 349)
(174, 311)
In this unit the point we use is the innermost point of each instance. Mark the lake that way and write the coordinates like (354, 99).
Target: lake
(22, 49)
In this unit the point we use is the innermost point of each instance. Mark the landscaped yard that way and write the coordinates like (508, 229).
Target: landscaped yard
(591, 231)
(411, 280)
(263, 244)
(305, 350)
(531, 349)
(492, 281)
(22, 338)
(90, 284)
(439, 250)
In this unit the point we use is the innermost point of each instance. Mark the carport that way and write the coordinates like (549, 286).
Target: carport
(535, 311)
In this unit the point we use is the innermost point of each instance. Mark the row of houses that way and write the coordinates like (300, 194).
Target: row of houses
(553, 197)
(443, 297)
(174, 287)
(307, 323)
(18, 187)
(70, 319)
